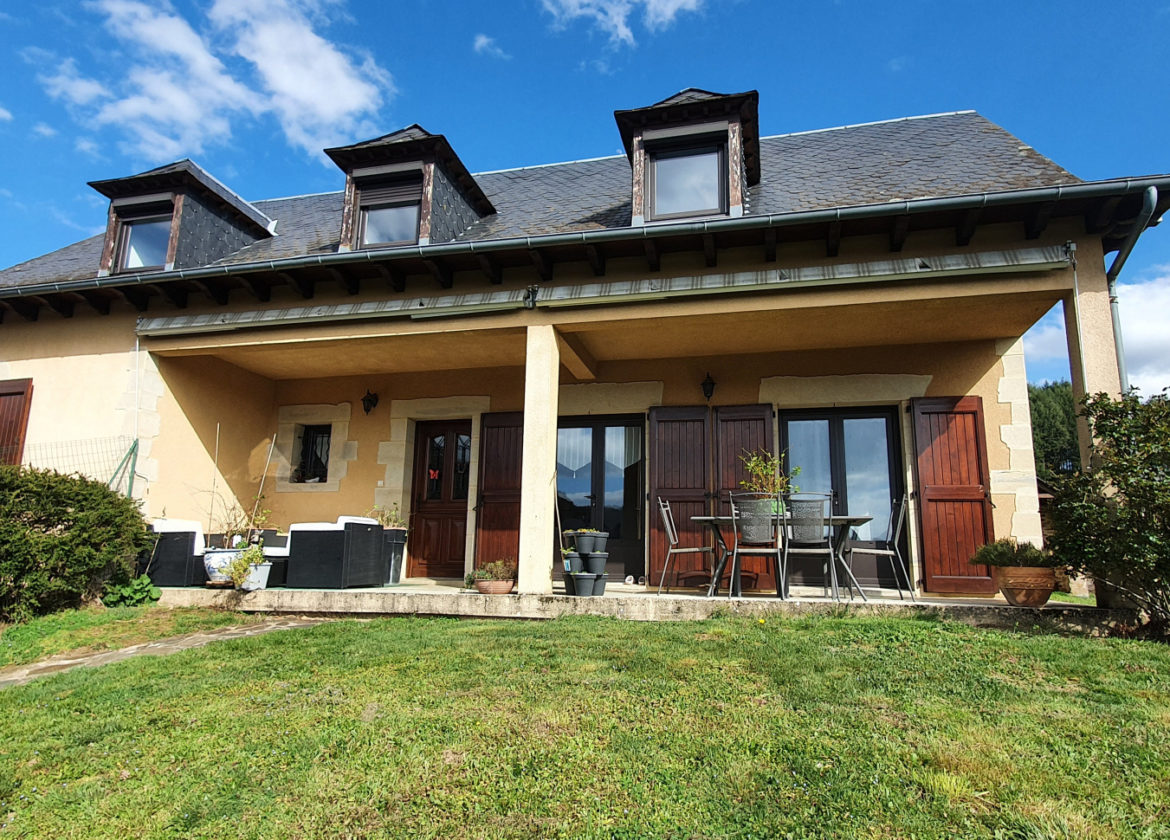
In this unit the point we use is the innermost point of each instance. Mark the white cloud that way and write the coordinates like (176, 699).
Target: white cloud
(613, 16)
(87, 146)
(5, 114)
(175, 89)
(485, 45)
(1143, 326)
(320, 95)
(44, 130)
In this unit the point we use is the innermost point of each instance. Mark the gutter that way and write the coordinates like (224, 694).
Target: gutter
(1117, 187)
(1149, 202)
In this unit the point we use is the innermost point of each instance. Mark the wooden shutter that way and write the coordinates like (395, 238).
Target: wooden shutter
(501, 446)
(954, 501)
(739, 428)
(15, 400)
(389, 191)
(679, 473)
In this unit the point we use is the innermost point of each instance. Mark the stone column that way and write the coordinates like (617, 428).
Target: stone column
(1088, 327)
(539, 470)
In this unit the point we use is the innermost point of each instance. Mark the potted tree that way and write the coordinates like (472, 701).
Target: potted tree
(494, 578)
(1023, 573)
(393, 539)
(766, 476)
(249, 570)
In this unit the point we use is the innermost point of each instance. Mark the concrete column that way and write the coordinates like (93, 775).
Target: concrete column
(539, 471)
(1092, 353)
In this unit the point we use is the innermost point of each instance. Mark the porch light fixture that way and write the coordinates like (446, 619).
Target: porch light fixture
(708, 386)
(369, 401)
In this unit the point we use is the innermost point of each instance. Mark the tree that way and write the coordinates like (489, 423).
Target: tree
(1111, 521)
(1054, 429)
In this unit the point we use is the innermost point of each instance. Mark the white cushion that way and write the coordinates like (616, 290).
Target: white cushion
(361, 520)
(276, 550)
(314, 526)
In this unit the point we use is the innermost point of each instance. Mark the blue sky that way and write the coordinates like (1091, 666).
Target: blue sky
(253, 89)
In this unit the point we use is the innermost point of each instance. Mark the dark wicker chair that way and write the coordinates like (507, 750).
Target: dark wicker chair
(330, 555)
(177, 558)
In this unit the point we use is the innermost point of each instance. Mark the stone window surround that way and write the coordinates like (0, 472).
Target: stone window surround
(341, 449)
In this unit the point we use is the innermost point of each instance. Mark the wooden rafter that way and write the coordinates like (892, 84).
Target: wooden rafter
(653, 258)
(302, 284)
(350, 281)
(833, 239)
(1097, 222)
(596, 258)
(395, 278)
(173, 293)
(575, 356)
(61, 304)
(710, 256)
(441, 271)
(899, 230)
(1039, 220)
(966, 227)
(491, 269)
(138, 298)
(218, 292)
(100, 303)
(543, 265)
(27, 309)
(770, 245)
(259, 289)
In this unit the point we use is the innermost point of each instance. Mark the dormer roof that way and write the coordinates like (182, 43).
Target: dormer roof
(186, 175)
(413, 143)
(695, 105)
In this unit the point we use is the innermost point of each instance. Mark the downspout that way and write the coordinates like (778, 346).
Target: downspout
(1149, 202)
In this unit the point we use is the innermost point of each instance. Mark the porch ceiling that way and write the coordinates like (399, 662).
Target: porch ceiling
(693, 331)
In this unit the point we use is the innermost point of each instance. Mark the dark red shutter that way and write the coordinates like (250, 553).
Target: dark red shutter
(954, 500)
(501, 446)
(15, 401)
(679, 473)
(741, 428)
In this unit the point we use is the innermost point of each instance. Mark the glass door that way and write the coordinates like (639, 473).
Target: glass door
(600, 464)
(855, 456)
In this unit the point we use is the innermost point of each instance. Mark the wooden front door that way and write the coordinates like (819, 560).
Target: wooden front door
(442, 471)
(954, 499)
(15, 400)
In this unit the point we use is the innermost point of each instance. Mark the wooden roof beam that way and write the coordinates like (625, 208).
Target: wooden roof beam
(575, 356)
(899, 230)
(710, 255)
(966, 227)
(543, 265)
(833, 239)
(1103, 218)
(395, 278)
(216, 291)
(1039, 220)
(61, 304)
(302, 284)
(100, 303)
(491, 269)
(770, 245)
(259, 289)
(441, 271)
(653, 257)
(172, 293)
(139, 298)
(351, 283)
(27, 309)
(596, 258)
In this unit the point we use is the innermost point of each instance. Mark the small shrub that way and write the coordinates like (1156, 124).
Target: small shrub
(504, 569)
(132, 593)
(62, 538)
(239, 568)
(1006, 552)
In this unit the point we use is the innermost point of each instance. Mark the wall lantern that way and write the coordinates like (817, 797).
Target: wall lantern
(369, 401)
(708, 386)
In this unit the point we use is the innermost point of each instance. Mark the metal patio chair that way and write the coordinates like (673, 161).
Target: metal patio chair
(758, 531)
(808, 532)
(672, 538)
(894, 530)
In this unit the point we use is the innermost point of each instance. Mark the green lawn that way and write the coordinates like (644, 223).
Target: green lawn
(105, 629)
(418, 728)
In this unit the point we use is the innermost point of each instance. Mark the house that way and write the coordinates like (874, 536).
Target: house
(499, 350)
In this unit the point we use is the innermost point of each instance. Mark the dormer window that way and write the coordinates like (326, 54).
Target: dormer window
(687, 181)
(389, 212)
(144, 242)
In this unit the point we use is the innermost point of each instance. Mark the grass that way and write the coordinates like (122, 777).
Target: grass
(1068, 598)
(80, 631)
(597, 728)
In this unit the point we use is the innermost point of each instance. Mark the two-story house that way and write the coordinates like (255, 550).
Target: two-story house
(492, 350)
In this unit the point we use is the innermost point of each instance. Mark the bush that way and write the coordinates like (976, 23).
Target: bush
(1112, 520)
(1006, 552)
(132, 593)
(62, 538)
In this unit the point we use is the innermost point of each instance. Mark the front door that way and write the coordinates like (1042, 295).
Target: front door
(442, 470)
(599, 485)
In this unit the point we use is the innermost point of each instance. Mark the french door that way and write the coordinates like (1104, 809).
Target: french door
(442, 461)
(600, 464)
(855, 456)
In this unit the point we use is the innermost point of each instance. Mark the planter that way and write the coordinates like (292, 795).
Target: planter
(595, 562)
(1024, 586)
(494, 587)
(216, 561)
(583, 583)
(570, 585)
(585, 541)
(599, 584)
(599, 540)
(573, 562)
(257, 577)
(393, 549)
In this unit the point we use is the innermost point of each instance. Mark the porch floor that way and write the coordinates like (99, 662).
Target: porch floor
(438, 597)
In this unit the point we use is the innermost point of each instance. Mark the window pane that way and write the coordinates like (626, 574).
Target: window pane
(808, 448)
(623, 467)
(462, 466)
(146, 243)
(313, 466)
(391, 224)
(436, 447)
(867, 474)
(686, 183)
(575, 477)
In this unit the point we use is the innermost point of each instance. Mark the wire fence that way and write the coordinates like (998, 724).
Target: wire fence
(110, 459)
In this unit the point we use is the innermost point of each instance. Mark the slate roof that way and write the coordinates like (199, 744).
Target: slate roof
(920, 157)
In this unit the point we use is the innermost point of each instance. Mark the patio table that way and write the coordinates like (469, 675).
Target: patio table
(840, 523)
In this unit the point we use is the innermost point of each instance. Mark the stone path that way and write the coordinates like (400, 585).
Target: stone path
(21, 674)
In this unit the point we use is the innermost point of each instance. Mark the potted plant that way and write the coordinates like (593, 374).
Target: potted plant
(766, 474)
(393, 539)
(249, 570)
(1024, 574)
(495, 578)
(238, 529)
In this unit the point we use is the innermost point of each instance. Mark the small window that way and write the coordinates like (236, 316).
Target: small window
(389, 211)
(313, 464)
(145, 243)
(689, 181)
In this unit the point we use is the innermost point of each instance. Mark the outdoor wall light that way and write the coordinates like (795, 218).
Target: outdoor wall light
(708, 386)
(369, 401)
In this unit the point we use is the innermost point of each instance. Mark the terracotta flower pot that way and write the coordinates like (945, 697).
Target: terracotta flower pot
(1024, 586)
(495, 587)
